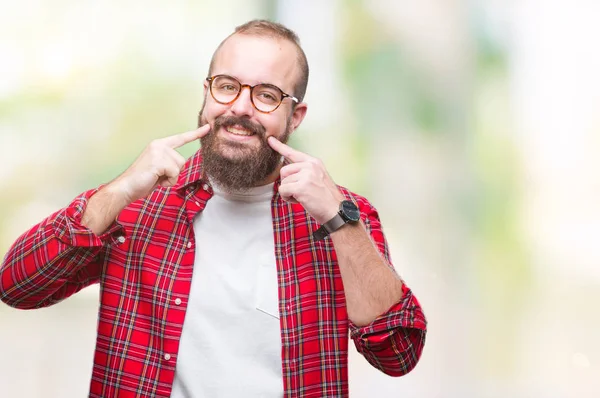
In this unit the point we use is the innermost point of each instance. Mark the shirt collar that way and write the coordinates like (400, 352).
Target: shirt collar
(190, 173)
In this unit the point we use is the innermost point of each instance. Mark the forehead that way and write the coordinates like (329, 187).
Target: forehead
(257, 59)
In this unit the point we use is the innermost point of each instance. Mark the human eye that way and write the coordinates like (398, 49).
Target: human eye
(228, 87)
(267, 95)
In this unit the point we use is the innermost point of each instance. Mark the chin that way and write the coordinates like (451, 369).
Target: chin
(234, 150)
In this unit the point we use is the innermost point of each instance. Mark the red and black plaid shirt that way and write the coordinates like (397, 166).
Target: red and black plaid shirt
(144, 265)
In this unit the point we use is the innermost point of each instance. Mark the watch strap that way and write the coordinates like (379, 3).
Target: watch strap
(330, 226)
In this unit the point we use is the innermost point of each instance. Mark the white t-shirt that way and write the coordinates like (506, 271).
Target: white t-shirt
(231, 341)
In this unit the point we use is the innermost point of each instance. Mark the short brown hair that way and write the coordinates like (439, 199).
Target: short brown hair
(265, 28)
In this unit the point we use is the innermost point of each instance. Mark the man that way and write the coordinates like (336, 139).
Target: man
(238, 272)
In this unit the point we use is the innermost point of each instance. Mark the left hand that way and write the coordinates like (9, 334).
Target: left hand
(306, 181)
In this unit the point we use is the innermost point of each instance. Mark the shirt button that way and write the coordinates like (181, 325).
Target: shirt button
(121, 239)
(177, 301)
(205, 187)
(189, 245)
(167, 357)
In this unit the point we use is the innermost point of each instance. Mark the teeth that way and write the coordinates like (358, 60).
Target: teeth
(237, 131)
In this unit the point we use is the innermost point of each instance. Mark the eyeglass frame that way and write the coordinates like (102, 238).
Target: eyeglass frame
(210, 80)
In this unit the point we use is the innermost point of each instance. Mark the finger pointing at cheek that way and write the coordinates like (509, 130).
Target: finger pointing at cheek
(292, 155)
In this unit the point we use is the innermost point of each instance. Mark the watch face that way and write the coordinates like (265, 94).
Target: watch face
(350, 211)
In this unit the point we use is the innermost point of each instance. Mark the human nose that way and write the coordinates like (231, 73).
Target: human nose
(242, 106)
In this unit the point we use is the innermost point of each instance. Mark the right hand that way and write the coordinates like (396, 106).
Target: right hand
(159, 164)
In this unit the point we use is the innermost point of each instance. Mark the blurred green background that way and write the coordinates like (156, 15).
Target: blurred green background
(473, 126)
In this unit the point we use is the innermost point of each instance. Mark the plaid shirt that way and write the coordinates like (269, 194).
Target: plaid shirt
(144, 265)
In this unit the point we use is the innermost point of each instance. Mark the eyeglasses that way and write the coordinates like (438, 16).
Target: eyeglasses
(264, 97)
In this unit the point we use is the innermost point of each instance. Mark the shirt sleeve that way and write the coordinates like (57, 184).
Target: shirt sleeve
(393, 342)
(54, 259)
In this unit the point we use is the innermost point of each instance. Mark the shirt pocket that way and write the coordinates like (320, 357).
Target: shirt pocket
(267, 290)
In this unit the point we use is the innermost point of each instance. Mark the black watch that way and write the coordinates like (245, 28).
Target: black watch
(349, 213)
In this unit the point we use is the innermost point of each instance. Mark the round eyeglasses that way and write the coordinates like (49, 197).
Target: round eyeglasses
(264, 97)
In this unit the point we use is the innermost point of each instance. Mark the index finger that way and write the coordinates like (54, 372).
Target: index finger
(286, 151)
(177, 140)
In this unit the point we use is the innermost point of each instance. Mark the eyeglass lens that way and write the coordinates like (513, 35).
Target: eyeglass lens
(225, 89)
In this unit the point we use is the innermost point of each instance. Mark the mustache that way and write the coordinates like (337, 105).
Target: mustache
(228, 121)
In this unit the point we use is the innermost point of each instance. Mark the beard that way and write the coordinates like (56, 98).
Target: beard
(244, 166)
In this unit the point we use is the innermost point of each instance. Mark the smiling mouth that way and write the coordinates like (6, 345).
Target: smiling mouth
(237, 130)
